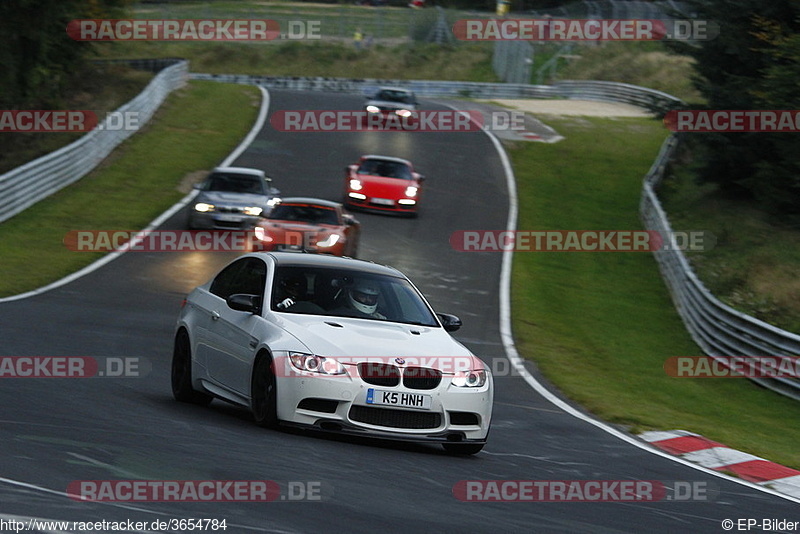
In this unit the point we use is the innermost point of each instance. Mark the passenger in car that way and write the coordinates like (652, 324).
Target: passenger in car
(292, 296)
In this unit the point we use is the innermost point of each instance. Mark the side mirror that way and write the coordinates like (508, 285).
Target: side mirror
(197, 186)
(244, 303)
(451, 323)
(420, 178)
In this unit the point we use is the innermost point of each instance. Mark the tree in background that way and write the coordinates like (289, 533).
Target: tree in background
(37, 57)
(750, 65)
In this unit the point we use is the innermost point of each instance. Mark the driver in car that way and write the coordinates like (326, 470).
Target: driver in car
(361, 301)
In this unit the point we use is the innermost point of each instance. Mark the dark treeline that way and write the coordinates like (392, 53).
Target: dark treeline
(37, 58)
(754, 64)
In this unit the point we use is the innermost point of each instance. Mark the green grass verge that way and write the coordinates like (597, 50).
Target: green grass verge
(753, 266)
(320, 58)
(648, 64)
(601, 325)
(194, 130)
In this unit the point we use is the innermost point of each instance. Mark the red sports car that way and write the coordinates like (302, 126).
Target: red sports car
(308, 225)
(383, 183)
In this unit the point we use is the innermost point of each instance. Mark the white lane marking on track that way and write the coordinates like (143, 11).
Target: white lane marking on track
(517, 361)
(259, 124)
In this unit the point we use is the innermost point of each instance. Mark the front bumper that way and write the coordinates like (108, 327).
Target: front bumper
(339, 404)
(221, 221)
(263, 246)
(370, 204)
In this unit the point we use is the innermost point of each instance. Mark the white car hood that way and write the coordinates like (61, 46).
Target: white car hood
(361, 339)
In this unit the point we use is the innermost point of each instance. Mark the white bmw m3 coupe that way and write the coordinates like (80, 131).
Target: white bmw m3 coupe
(332, 343)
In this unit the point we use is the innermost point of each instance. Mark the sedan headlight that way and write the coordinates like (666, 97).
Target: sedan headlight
(403, 112)
(329, 241)
(373, 109)
(253, 210)
(472, 379)
(202, 207)
(316, 364)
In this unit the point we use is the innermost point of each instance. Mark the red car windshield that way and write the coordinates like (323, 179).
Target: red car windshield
(305, 213)
(385, 168)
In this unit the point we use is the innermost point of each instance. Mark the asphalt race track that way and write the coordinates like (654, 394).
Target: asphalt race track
(55, 431)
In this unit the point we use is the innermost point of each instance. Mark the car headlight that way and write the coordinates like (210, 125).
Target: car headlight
(403, 112)
(202, 207)
(316, 364)
(472, 379)
(411, 191)
(273, 201)
(261, 234)
(329, 241)
(373, 109)
(355, 185)
(253, 210)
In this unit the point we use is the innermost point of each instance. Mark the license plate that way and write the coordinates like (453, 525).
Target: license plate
(230, 218)
(383, 201)
(396, 398)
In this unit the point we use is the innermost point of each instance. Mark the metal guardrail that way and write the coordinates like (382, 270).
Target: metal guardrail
(22, 187)
(722, 332)
(570, 89)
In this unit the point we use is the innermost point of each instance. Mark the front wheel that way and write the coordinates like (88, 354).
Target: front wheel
(264, 395)
(463, 448)
(182, 388)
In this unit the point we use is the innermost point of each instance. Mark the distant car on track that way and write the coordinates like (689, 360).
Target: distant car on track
(308, 225)
(392, 100)
(331, 343)
(383, 183)
(232, 198)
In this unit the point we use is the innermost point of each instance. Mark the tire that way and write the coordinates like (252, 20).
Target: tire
(182, 373)
(264, 394)
(463, 448)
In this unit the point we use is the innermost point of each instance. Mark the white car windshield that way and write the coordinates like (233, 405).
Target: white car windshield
(348, 293)
(235, 183)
